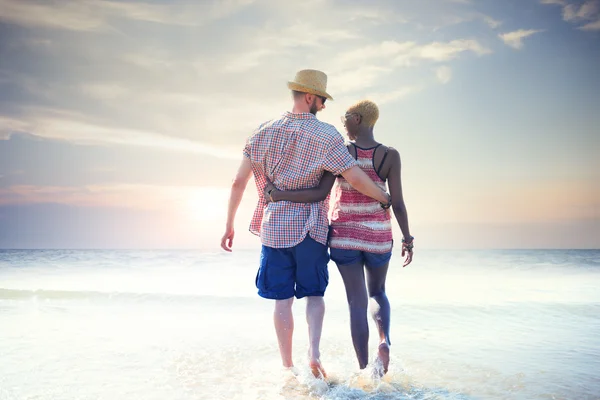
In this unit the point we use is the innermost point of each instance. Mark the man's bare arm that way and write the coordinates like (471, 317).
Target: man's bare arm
(235, 198)
(361, 182)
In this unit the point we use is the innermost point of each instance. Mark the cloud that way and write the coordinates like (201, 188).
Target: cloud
(89, 15)
(375, 16)
(450, 18)
(76, 130)
(492, 23)
(357, 79)
(559, 2)
(104, 91)
(388, 97)
(33, 160)
(409, 53)
(173, 91)
(592, 26)
(284, 42)
(440, 51)
(8, 126)
(382, 50)
(443, 74)
(138, 196)
(246, 61)
(376, 70)
(583, 12)
(587, 12)
(74, 16)
(514, 39)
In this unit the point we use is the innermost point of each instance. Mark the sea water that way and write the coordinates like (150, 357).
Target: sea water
(504, 324)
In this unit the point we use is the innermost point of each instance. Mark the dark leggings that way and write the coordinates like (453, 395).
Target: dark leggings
(358, 294)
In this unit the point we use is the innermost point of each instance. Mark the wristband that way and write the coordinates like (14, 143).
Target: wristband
(388, 205)
(408, 241)
(408, 246)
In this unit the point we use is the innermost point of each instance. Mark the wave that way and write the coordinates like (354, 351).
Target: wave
(44, 294)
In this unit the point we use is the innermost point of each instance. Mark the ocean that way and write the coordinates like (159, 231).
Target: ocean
(121, 324)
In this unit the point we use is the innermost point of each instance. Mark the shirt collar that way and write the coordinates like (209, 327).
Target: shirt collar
(288, 114)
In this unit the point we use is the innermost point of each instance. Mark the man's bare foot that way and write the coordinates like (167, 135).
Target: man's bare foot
(383, 354)
(317, 369)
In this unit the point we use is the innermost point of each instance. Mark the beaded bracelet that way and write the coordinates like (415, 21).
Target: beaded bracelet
(408, 245)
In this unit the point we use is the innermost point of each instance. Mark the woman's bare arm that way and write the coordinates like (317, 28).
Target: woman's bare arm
(395, 185)
(312, 195)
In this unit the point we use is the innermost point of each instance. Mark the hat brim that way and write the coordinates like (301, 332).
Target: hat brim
(305, 89)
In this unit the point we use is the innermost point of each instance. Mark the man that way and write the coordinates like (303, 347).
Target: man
(293, 152)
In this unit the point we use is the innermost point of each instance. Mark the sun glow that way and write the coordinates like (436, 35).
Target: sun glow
(207, 204)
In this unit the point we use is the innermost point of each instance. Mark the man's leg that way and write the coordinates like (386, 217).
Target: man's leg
(284, 327)
(312, 278)
(315, 312)
(275, 280)
(356, 294)
(380, 310)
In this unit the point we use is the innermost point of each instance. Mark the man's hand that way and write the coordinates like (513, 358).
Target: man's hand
(361, 182)
(227, 239)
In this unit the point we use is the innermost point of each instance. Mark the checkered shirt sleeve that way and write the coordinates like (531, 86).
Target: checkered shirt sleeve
(338, 159)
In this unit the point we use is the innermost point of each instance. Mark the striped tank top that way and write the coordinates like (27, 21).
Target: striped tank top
(357, 221)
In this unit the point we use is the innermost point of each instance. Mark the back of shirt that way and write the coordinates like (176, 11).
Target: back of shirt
(293, 152)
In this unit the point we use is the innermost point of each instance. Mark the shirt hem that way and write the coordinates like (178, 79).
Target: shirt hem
(294, 243)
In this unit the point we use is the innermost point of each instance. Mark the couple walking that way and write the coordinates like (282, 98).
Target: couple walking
(295, 161)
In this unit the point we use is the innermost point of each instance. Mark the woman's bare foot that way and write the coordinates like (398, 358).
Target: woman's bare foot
(383, 354)
(317, 369)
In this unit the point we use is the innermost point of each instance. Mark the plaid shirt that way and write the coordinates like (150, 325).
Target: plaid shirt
(294, 152)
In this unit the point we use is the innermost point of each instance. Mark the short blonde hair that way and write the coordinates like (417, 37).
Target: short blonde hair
(368, 110)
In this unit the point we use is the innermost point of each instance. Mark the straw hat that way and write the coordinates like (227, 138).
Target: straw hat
(310, 81)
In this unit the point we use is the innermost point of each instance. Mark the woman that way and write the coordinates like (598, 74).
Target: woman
(361, 231)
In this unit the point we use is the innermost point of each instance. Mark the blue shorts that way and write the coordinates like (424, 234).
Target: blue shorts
(346, 257)
(293, 271)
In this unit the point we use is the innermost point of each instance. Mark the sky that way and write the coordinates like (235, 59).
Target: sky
(122, 123)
